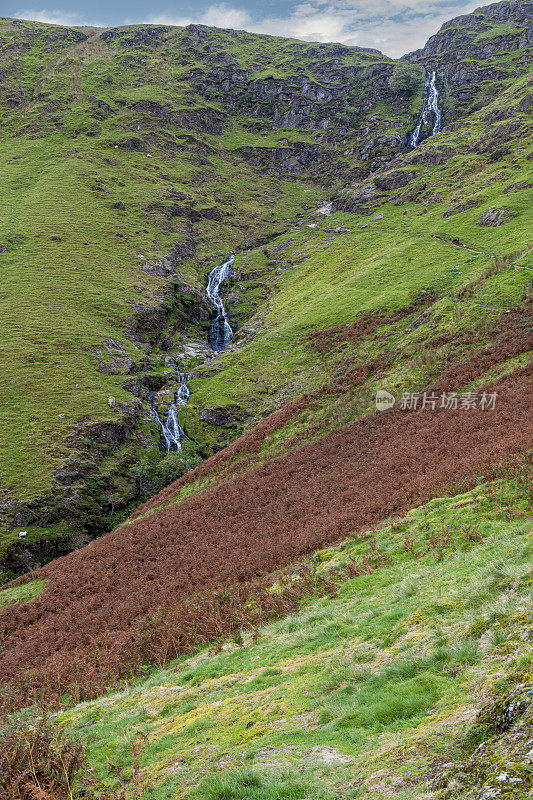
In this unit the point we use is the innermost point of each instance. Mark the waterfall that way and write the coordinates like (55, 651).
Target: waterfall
(430, 107)
(219, 331)
(219, 335)
(170, 427)
(183, 391)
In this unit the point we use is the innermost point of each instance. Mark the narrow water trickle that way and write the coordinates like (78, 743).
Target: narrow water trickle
(430, 114)
(219, 331)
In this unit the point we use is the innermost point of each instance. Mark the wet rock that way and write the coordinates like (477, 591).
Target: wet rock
(195, 349)
(495, 217)
(143, 385)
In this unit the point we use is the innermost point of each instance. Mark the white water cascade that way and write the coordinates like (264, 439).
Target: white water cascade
(219, 335)
(170, 427)
(219, 331)
(430, 109)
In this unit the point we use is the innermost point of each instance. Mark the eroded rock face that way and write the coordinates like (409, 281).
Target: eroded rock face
(499, 768)
(293, 160)
(462, 49)
(140, 36)
(526, 103)
(466, 206)
(496, 216)
(431, 155)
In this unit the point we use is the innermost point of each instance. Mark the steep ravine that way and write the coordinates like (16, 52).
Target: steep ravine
(219, 335)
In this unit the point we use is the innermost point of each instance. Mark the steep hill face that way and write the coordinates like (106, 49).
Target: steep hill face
(476, 53)
(136, 158)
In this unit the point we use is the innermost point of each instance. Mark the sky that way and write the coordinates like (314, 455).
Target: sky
(393, 26)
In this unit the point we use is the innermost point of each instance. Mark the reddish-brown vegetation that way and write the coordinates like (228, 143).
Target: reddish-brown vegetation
(513, 335)
(255, 523)
(367, 323)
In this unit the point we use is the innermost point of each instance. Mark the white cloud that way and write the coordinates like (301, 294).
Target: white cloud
(53, 17)
(219, 15)
(393, 26)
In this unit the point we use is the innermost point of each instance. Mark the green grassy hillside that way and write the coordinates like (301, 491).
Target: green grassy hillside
(127, 175)
(424, 244)
(134, 159)
(394, 663)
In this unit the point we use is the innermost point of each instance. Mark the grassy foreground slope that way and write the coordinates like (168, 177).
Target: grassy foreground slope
(411, 681)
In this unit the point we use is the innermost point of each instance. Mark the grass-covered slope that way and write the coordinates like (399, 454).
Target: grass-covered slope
(118, 165)
(402, 684)
(133, 160)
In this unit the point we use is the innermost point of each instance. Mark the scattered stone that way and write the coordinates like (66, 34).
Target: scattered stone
(462, 207)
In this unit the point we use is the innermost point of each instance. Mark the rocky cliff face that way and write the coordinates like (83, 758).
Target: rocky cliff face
(474, 54)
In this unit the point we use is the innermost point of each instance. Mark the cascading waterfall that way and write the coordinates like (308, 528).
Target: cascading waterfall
(430, 110)
(183, 391)
(219, 331)
(170, 427)
(219, 335)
